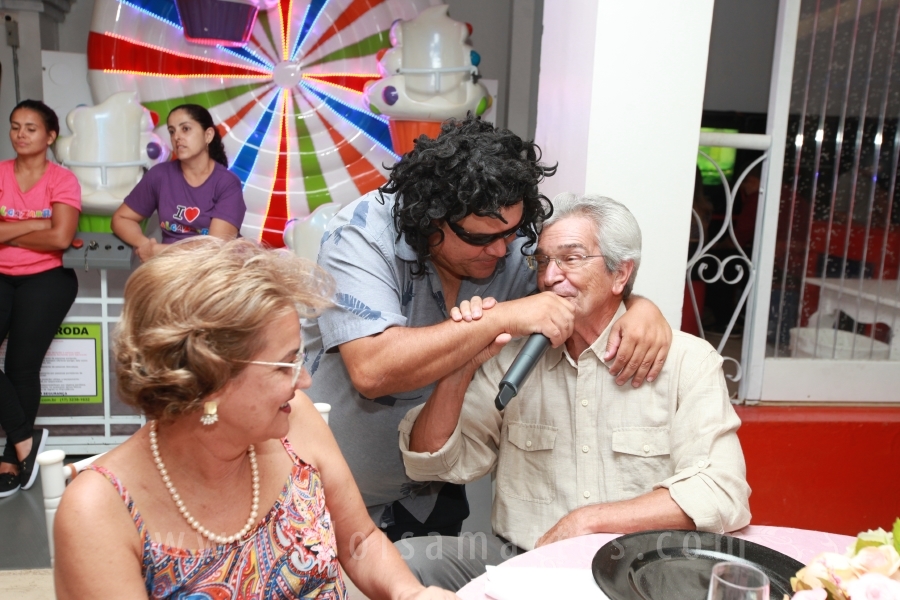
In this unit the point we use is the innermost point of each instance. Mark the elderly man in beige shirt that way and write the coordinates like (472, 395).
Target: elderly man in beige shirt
(574, 453)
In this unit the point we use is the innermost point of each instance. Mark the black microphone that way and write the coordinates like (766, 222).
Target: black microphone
(521, 368)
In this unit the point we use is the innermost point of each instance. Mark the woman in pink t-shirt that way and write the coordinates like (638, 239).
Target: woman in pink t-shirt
(39, 206)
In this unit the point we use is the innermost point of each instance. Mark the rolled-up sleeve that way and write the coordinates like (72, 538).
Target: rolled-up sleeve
(471, 451)
(710, 482)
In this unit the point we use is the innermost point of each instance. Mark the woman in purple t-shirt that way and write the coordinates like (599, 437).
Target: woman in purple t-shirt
(194, 195)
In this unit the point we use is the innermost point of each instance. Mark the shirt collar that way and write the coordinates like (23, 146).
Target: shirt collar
(598, 348)
(403, 250)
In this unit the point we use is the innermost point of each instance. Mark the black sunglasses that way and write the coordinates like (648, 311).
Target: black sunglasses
(483, 239)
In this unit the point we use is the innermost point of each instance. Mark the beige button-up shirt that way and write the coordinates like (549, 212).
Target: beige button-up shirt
(572, 437)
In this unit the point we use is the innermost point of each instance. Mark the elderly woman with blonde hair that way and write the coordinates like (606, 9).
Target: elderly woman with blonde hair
(223, 493)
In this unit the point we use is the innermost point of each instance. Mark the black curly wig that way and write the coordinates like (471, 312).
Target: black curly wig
(471, 168)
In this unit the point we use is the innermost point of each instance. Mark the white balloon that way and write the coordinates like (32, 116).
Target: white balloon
(303, 236)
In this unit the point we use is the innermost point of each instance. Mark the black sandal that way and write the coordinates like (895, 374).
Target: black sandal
(28, 468)
(9, 484)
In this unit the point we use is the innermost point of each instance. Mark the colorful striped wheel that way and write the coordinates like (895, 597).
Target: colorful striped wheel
(287, 102)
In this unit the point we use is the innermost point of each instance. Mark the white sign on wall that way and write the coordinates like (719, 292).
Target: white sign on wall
(69, 368)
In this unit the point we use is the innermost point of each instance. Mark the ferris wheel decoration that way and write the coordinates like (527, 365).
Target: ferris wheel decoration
(287, 102)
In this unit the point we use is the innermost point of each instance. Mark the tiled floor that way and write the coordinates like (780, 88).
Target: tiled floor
(26, 585)
(23, 533)
(24, 555)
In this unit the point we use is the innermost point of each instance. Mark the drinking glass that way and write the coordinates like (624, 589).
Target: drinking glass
(737, 581)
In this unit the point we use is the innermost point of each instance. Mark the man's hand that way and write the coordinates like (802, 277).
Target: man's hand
(471, 310)
(571, 525)
(640, 341)
(545, 313)
(490, 351)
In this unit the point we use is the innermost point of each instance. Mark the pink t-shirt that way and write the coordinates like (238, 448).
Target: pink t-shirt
(56, 185)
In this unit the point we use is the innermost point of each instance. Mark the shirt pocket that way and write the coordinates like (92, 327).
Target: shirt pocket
(526, 470)
(642, 458)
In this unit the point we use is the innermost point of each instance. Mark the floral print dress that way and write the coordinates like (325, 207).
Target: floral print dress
(292, 552)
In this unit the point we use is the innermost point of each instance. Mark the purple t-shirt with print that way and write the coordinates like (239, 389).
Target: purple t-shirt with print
(186, 211)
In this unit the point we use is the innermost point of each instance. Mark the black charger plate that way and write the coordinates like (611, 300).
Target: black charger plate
(652, 565)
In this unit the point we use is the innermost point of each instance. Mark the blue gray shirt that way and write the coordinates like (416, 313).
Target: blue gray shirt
(376, 290)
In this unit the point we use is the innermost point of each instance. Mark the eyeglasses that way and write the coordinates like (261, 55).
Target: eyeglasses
(296, 366)
(569, 262)
(483, 239)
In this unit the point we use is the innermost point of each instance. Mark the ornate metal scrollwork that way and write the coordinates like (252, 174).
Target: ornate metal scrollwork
(741, 262)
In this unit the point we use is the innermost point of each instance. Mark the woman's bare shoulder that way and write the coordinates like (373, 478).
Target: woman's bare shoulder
(94, 492)
(94, 532)
(132, 454)
(309, 435)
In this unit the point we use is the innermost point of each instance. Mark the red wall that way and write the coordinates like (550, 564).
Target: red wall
(824, 468)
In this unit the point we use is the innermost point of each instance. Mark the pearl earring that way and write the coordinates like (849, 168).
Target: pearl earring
(210, 416)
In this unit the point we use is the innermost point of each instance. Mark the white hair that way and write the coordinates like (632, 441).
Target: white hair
(618, 233)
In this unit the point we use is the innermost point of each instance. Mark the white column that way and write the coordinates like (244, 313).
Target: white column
(27, 14)
(30, 76)
(619, 106)
(525, 39)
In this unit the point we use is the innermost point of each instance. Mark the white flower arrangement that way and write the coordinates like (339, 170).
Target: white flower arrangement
(869, 570)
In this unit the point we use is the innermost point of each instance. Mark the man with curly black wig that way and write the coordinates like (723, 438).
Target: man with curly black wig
(453, 223)
(471, 169)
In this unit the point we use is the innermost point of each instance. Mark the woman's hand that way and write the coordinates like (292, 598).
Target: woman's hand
(126, 224)
(148, 249)
(145, 247)
(429, 593)
(45, 235)
(41, 224)
(471, 310)
(640, 341)
(10, 230)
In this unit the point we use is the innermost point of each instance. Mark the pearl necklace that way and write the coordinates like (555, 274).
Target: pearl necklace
(195, 525)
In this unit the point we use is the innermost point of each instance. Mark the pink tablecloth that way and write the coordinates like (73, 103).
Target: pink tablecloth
(577, 553)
